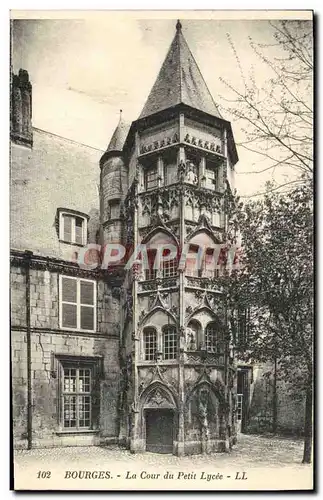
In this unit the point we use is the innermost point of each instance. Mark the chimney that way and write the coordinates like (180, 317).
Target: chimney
(21, 109)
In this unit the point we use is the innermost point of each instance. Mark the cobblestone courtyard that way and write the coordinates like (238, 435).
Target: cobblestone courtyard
(268, 463)
(254, 451)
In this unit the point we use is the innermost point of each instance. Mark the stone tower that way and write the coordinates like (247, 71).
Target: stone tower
(169, 175)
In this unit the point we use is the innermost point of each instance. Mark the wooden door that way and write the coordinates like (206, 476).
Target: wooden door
(159, 431)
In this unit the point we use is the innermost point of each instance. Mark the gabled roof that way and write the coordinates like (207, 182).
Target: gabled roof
(179, 81)
(119, 136)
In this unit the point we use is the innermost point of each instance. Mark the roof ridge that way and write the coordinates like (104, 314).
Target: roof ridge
(179, 31)
(200, 72)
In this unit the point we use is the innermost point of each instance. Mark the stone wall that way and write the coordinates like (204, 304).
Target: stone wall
(290, 405)
(49, 342)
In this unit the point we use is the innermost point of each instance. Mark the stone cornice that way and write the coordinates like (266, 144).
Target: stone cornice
(58, 331)
(27, 258)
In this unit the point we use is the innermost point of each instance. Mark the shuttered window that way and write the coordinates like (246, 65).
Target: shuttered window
(77, 303)
(72, 229)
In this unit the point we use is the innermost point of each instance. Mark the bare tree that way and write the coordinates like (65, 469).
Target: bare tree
(274, 283)
(275, 116)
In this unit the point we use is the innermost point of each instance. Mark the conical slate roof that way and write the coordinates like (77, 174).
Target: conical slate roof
(119, 136)
(179, 81)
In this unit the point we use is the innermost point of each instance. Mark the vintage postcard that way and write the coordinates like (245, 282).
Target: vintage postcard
(161, 263)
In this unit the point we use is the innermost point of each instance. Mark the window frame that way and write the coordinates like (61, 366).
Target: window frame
(159, 353)
(95, 365)
(77, 394)
(78, 304)
(74, 215)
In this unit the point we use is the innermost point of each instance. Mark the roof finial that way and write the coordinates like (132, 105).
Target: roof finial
(178, 25)
(120, 115)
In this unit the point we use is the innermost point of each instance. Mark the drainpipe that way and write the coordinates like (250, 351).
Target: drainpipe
(28, 256)
(275, 406)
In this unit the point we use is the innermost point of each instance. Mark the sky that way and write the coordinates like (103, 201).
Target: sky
(86, 68)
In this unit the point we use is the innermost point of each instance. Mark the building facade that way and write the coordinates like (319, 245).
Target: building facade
(140, 356)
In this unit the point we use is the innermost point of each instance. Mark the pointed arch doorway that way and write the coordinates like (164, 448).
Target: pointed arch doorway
(160, 418)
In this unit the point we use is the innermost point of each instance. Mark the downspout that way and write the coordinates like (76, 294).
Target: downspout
(28, 255)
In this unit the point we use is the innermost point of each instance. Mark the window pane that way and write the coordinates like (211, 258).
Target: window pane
(69, 287)
(192, 262)
(69, 380)
(170, 343)
(69, 411)
(69, 316)
(151, 178)
(77, 407)
(214, 339)
(87, 292)
(67, 222)
(84, 408)
(87, 318)
(150, 344)
(170, 173)
(79, 230)
(210, 178)
(151, 272)
(169, 268)
(209, 264)
(84, 380)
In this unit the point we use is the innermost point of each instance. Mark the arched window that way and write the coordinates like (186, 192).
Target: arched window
(214, 339)
(169, 342)
(159, 247)
(150, 344)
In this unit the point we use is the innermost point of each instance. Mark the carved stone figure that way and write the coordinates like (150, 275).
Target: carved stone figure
(191, 176)
(203, 408)
(191, 339)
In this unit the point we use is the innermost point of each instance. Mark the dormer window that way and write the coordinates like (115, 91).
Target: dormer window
(72, 227)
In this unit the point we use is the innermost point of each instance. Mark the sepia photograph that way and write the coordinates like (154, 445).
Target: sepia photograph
(161, 250)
